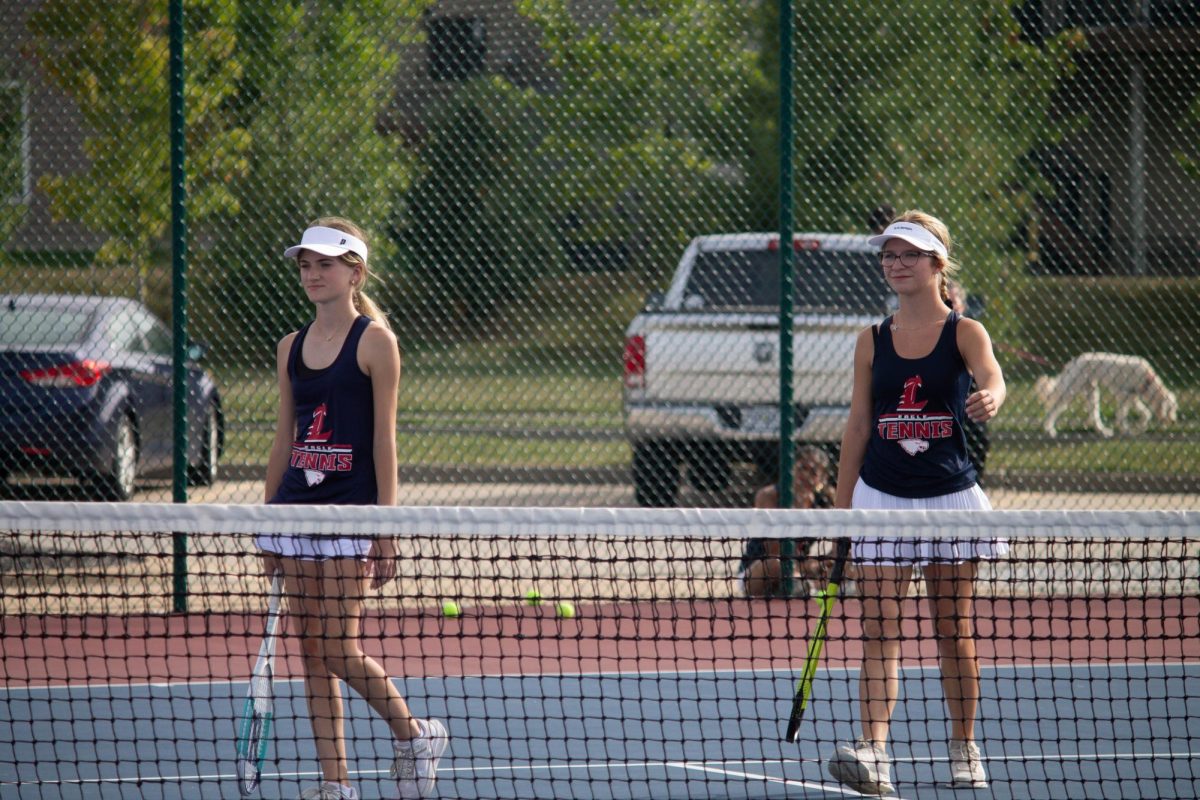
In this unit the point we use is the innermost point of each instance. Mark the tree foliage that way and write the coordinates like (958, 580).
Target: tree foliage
(283, 102)
(473, 231)
(112, 60)
(935, 106)
(646, 125)
(317, 80)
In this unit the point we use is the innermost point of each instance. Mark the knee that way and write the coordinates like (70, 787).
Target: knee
(341, 656)
(954, 629)
(312, 651)
(881, 629)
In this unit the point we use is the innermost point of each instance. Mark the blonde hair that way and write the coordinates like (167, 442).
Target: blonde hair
(364, 304)
(947, 266)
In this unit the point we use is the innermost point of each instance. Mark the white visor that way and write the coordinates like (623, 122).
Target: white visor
(328, 242)
(913, 234)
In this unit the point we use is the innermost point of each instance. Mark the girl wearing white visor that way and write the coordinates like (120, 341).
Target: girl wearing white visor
(335, 442)
(904, 448)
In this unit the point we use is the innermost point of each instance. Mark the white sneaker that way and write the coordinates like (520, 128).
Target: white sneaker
(329, 790)
(966, 765)
(415, 767)
(863, 766)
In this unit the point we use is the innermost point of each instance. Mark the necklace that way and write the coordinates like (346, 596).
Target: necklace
(896, 327)
(329, 338)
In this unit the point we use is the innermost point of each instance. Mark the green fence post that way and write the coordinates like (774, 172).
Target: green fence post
(179, 292)
(786, 283)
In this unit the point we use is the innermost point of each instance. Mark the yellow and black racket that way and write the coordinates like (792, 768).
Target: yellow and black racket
(825, 599)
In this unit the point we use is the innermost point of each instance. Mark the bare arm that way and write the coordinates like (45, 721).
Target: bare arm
(858, 426)
(285, 421)
(379, 357)
(976, 348)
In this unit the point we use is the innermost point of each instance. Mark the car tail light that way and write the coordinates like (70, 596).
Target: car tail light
(87, 372)
(635, 362)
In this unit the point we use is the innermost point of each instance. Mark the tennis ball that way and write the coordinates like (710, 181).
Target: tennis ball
(533, 597)
(565, 610)
(451, 609)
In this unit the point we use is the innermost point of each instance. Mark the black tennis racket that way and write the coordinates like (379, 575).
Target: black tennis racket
(825, 599)
(255, 727)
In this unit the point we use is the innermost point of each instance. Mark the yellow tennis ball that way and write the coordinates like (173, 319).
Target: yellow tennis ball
(565, 610)
(451, 609)
(533, 597)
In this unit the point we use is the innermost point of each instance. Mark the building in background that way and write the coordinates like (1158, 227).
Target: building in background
(1121, 202)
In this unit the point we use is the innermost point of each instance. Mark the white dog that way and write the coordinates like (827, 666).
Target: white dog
(1132, 381)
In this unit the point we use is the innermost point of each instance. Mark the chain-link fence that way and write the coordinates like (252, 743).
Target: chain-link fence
(531, 173)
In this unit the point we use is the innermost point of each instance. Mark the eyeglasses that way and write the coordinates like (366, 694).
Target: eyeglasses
(908, 258)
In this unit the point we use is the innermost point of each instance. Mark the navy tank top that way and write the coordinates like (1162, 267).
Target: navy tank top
(918, 447)
(332, 458)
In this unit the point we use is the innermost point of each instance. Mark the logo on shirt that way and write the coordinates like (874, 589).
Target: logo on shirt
(315, 455)
(911, 426)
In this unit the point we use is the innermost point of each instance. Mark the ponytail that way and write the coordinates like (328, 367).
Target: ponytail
(944, 288)
(368, 308)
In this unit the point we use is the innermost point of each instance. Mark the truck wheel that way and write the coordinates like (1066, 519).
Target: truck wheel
(655, 476)
(708, 469)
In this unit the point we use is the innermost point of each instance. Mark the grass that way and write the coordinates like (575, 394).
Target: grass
(480, 419)
(504, 393)
(473, 420)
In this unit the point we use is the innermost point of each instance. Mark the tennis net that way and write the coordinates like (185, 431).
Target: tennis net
(640, 667)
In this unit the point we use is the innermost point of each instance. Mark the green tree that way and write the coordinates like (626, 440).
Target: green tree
(317, 81)
(111, 59)
(646, 126)
(935, 105)
(472, 234)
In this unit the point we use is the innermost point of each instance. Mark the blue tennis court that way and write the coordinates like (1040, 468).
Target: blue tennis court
(1080, 730)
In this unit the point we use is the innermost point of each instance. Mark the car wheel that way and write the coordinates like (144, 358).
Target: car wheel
(117, 483)
(204, 473)
(655, 475)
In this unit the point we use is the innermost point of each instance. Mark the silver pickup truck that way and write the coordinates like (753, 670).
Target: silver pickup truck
(702, 361)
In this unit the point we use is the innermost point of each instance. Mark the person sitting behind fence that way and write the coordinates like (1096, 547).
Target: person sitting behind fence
(760, 573)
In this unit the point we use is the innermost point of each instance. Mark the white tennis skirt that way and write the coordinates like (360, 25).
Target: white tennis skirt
(314, 548)
(907, 551)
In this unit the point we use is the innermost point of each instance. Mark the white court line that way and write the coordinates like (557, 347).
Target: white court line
(824, 787)
(705, 767)
(591, 766)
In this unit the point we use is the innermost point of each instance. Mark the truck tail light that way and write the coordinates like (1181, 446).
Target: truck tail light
(635, 362)
(798, 244)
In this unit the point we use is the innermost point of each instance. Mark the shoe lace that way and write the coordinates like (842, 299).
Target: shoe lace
(964, 751)
(321, 792)
(405, 766)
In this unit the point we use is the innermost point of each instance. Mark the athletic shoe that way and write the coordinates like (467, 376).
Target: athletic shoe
(863, 766)
(415, 767)
(966, 765)
(329, 790)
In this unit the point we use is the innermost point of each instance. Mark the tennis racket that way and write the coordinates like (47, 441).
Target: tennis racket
(825, 599)
(255, 727)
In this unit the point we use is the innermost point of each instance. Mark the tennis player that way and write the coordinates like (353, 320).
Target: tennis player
(905, 448)
(335, 442)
